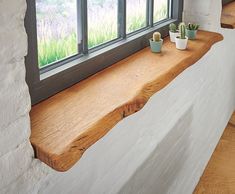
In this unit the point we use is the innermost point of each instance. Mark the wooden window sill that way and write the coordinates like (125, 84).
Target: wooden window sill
(228, 16)
(65, 125)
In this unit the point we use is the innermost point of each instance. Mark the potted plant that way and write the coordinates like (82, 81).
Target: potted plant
(156, 42)
(191, 31)
(181, 40)
(173, 32)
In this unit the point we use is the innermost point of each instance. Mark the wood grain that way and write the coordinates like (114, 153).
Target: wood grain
(228, 16)
(219, 175)
(65, 125)
(232, 120)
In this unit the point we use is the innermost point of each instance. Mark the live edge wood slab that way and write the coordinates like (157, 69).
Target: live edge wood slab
(65, 125)
(228, 16)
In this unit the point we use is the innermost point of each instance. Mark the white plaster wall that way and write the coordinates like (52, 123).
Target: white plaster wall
(15, 151)
(206, 13)
(164, 148)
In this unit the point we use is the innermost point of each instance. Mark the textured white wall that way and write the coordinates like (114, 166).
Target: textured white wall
(153, 151)
(15, 151)
(206, 13)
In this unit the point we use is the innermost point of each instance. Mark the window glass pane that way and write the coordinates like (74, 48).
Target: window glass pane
(160, 10)
(56, 30)
(135, 15)
(102, 21)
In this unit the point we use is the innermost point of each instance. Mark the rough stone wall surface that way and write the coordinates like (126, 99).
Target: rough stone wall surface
(153, 151)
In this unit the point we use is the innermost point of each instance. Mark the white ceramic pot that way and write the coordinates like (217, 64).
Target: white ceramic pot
(173, 35)
(181, 44)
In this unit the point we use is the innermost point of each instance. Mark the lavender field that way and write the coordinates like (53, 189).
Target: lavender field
(57, 24)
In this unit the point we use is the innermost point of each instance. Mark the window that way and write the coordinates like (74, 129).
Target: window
(70, 40)
(160, 10)
(102, 21)
(56, 30)
(136, 17)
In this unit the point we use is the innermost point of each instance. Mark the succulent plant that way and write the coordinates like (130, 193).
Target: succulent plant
(182, 30)
(156, 36)
(172, 27)
(192, 26)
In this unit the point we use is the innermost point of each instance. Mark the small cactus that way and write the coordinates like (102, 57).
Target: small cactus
(156, 36)
(182, 29)
(191, 26)
(172, 27)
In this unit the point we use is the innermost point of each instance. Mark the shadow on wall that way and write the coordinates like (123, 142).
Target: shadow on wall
(228, 14)
(161, 168)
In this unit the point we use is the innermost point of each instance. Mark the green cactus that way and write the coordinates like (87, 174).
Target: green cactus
(172, 27)
(192, 26)
(182, 29)
(156, 36)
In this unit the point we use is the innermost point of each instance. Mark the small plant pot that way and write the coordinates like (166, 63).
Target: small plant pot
(181, 44)
(173, 35)
(156, 47)
(191, 34)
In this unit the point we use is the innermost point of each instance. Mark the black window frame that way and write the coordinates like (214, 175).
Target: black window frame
(54, 78)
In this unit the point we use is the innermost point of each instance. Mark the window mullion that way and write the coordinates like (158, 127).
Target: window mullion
(82, 26)
(122, 18)
(79, 27)
(169, 4)
(149, 12)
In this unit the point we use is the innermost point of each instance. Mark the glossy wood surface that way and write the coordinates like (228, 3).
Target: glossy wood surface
(228, 16)
(65, 125)
(232, 120)
(219, 175)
